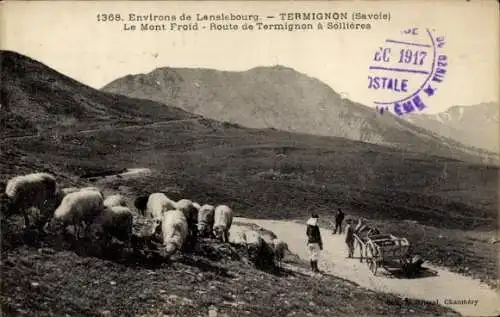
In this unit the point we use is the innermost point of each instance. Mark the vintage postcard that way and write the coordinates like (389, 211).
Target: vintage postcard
(249, 158)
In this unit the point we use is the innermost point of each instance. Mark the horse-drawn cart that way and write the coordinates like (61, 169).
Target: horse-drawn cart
(389, 252)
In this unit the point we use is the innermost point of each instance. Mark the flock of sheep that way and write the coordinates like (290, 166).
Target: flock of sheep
(86, 208)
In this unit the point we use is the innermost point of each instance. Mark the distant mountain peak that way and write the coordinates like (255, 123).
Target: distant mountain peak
(276, 67)
(282, 98)
(473, 125)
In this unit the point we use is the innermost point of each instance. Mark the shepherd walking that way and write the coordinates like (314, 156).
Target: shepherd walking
(314, 242)
(349, 238)
(338, 221)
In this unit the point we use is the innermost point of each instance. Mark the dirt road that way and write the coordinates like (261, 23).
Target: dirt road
(446, 287)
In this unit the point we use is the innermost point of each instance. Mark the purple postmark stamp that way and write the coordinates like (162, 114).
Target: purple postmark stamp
(406, 71)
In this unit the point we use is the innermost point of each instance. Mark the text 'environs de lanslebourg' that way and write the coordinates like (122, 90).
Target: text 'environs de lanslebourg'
(282, 16)
(234, 22)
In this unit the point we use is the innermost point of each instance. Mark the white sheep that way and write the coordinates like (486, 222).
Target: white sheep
(158, 203)
(197, 206)
(92, 188)
(33, 190)
(268, 236)
(279, 247)
(78, 207)
(223, 218)
(62, 192)
(116, 221)
(206, 219)
(237, 238)
(115, 200)
(68, 190)
(191, 214)
(174, 229)
(254, 243)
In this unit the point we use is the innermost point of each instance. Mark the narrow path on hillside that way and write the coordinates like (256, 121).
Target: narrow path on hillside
(443, 285)
(129, 127)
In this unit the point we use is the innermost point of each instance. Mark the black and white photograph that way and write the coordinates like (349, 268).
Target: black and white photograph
(249, 158)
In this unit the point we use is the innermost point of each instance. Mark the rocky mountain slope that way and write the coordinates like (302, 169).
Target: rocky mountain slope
(281, 98)
(471, 125)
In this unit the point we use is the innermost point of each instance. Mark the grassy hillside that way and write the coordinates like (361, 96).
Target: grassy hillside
(282, 172)
(61, 284)
(29, 107)
(273, 174)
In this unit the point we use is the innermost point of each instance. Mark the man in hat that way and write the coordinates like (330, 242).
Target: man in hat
(361, 226)
(349, 238)
(314, 242)
(338, 221)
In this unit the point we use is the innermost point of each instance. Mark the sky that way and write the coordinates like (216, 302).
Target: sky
(67, 37)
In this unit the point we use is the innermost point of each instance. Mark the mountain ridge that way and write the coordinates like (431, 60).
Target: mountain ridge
(280, 97)
(473, 125)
